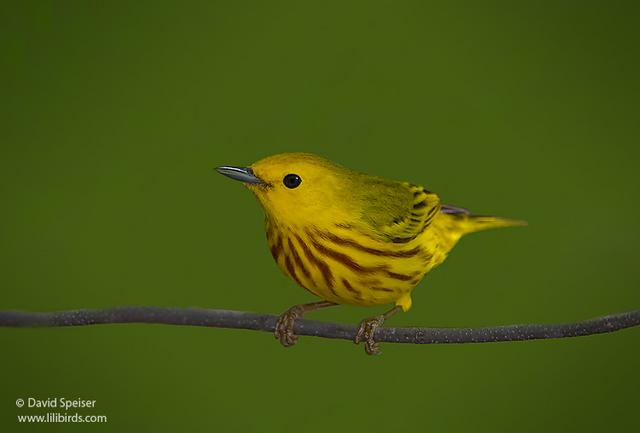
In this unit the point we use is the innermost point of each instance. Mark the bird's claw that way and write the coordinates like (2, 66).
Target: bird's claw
(366, 332)
(284, 327)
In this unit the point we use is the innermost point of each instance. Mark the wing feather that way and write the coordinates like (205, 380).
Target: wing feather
(399, 211)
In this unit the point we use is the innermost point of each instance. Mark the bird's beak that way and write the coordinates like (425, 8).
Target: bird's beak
(243, 174)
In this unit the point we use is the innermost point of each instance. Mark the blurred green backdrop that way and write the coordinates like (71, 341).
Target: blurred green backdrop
(115, 113)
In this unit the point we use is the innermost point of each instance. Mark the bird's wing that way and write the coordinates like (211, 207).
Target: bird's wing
(398, 211)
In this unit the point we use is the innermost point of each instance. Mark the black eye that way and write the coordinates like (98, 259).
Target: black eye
(292, 181)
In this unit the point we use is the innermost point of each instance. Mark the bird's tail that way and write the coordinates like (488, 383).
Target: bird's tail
(466, 222)
(476, 223)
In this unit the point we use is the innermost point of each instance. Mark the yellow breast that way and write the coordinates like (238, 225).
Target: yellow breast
(344, 266)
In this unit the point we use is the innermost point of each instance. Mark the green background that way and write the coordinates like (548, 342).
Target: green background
(114, 114)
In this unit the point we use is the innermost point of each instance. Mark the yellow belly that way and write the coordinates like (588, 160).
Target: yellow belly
(343, 266)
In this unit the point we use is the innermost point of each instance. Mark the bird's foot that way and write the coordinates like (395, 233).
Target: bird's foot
(365, 333)
(284, 327)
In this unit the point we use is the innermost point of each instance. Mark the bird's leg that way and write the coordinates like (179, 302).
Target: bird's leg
(368, 328)
(284, 326)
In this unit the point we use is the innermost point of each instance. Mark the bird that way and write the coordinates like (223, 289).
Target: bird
(352, 238)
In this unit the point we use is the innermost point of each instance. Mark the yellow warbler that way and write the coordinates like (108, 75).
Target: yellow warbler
(351, 238)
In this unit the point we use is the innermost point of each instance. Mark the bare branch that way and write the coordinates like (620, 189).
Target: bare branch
(266, 322)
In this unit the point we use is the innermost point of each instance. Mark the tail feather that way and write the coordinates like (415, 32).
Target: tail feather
(476, 223)
(469, 223)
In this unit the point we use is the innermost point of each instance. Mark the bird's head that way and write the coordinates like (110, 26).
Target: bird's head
(298, 188)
